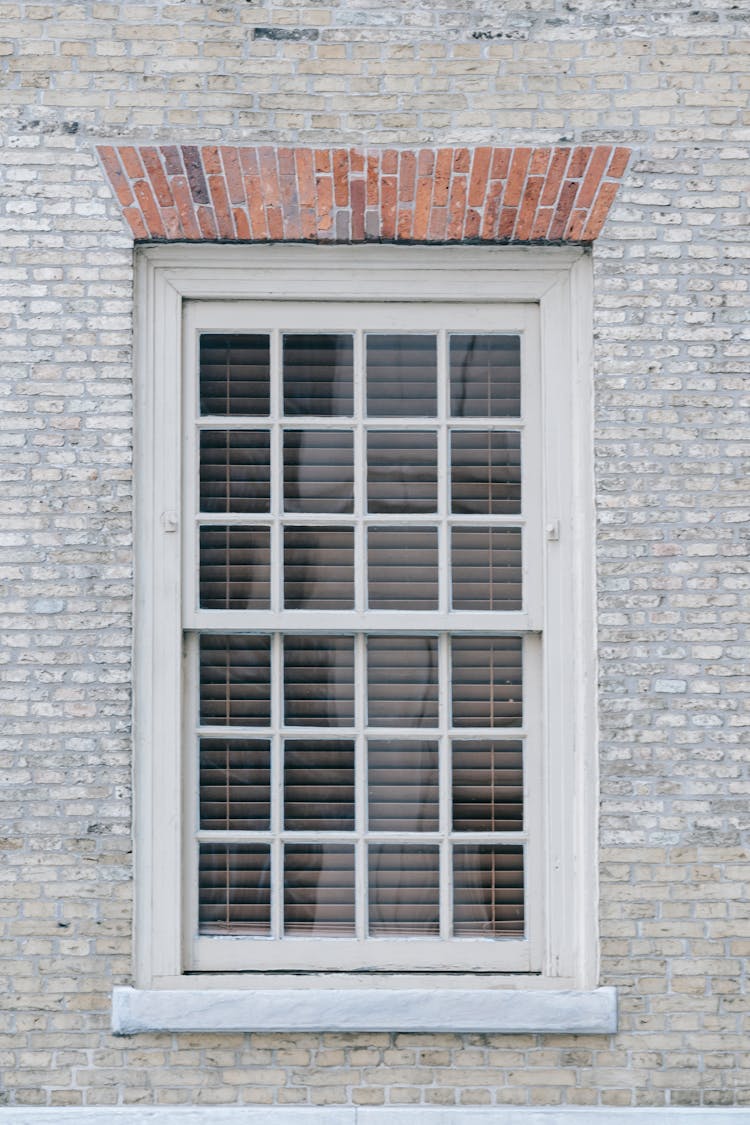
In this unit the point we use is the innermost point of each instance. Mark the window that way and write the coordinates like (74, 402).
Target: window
(364, 640)
(361, 608)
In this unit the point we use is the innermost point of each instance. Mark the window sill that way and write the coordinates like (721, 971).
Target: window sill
(473, 1010)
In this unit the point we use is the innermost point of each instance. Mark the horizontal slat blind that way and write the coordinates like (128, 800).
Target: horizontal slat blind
(319, 681)
(401, 376)
(487, 681)
(319, 568)
(486, 473)
(235, 471)
(319, 890)
(488, 891)
(235, 680)
(318, 471)
(235, 374)
(401, 471)
(404, 896)
(403, 786)
(486, 568)
(402, 681)
(235, 784)
(487, 786)
(319, 785)
(318, 374)
(485, 376)
(235, 567)
(234, 889)
(402, 568)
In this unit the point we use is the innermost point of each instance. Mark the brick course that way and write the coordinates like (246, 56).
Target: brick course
(485, 194)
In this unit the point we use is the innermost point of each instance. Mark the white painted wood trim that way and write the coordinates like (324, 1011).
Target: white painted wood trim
(585, 724)
(391, 1115)
(356, 273)
(472, 1010)
(168, 277)
(157, 637)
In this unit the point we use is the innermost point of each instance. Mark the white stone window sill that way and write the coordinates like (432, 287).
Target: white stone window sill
(350, 1115)
(471, 1010)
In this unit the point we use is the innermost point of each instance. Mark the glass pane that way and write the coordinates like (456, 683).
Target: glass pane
(318, 785)
(319, 681)
(486, 568)
(487, 786)
(234, 893)
(318, 374)
(404, 896)
(485, 376)
(235, 784)
(402, 568)
(235, 568)
(318, 471)
(235, 471)
(402, 786)
(486, 472)
(235, 680)
(319, 568)
(319, 890)
(487, 891)
(401, 376)
(401, 471)
(235, 374)
(402, 681)
(487, 681)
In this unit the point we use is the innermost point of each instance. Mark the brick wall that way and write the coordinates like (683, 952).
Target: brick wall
(670, 81)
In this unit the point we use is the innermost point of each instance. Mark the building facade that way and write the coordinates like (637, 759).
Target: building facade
(604, 142)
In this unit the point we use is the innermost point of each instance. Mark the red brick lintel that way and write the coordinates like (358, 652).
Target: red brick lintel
(227, 193)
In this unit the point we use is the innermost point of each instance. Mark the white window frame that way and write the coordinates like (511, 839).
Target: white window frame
(510, 954)
(558, 280)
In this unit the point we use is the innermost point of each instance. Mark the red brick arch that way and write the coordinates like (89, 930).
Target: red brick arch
(233, 193)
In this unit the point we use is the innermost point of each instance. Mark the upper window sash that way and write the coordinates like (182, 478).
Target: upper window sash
(361, 318)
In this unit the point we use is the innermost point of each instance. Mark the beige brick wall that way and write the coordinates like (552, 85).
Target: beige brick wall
(669, 79)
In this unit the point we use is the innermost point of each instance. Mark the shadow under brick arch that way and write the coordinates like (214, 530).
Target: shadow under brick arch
(228, 193)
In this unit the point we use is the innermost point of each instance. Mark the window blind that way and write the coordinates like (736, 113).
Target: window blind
(235, 374)
(235, 471)
(372, 777)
